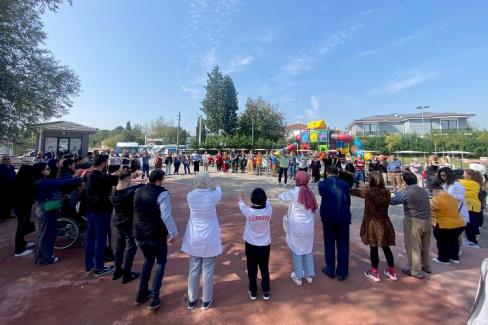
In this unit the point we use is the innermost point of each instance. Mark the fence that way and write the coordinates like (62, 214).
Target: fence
(16, 148)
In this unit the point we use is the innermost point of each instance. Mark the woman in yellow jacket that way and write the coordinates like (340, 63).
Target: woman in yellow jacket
(473, 182)
(447, 224)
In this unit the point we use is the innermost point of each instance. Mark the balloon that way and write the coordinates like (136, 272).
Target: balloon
(358, 143)
(345, 137)
(323, 147)
(334, 136)
(340, 144)
(367, 156)
(291, 147)
(297, 137)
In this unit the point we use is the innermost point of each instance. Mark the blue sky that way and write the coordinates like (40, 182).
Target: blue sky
(335, 60)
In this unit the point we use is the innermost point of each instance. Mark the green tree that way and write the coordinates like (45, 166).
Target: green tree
(231, 106)
(269, 122)
(220, 104)
(34, 87)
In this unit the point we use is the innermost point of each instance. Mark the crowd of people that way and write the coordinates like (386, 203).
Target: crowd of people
(143, 218)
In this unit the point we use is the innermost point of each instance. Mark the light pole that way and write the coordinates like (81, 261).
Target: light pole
(423, 123)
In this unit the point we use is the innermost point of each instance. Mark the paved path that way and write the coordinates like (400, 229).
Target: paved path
(63, 294)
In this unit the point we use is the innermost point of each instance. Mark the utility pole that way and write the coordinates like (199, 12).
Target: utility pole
(178, 133)
(252, 131)
(200, 130)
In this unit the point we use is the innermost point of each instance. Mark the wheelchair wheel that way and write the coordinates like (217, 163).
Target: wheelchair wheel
(67, 233)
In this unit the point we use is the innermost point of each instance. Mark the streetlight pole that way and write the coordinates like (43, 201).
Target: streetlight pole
(252, 131)
(423, 123)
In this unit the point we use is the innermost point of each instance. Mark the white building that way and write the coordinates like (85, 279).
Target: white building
(409, 123)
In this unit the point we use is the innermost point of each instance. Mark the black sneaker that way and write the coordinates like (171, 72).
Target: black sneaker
(117, 274)
(206, 305)
(105, 270)
(130, 277)
(252, 295)
(266, 296)
(154, 304)
(191, 304)
(142, 297)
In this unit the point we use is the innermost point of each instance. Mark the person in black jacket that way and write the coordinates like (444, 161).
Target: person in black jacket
(346, 170)
(153, 222)
(98, 187)
(123, 201)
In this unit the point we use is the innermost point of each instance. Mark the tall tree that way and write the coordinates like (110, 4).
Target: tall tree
(269, 122)
(220, 104)
(33, 86)
(231, 106)
(212, 103)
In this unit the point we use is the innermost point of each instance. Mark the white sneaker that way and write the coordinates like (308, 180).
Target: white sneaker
(27, 252)
(309, 279)
(471, 244)
(297, 281)
(30, 245)
(454, 261)
(440, 262)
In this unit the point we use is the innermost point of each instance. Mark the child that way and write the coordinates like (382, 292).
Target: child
(257, 240)
(300, 227)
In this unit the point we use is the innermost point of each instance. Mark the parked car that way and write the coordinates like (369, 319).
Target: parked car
(25, 159)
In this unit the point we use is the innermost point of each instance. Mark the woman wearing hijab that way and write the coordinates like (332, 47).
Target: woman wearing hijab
(202, 238)
(300, 227)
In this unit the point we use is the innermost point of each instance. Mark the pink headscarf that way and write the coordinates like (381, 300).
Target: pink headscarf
(306, 196)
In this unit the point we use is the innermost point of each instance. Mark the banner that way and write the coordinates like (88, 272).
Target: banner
(305, 137)
(314, 136)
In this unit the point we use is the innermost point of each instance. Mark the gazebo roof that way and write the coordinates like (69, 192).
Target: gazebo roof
(66, 126)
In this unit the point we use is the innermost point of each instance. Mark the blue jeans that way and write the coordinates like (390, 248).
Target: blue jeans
(46, 236)
(299, 261)
(292, 171)
(145, 170)
(154, 251)
(96, 239)
(359, 177)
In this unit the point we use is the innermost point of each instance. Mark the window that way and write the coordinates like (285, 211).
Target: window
(367, 128)
(449, 125)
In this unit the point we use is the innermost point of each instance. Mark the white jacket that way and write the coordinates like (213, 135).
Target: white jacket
(202, 235)
(300, 232)
(257, 224)
(457, 190)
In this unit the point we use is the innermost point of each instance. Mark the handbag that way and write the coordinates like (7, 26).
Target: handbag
(51, 205)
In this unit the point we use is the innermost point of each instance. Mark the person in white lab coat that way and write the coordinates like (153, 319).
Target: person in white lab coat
(300, 227)
(202, 238)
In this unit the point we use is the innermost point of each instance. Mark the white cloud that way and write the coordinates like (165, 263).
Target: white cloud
(313, 113)
(404, 39)
(405, 80)
(238, 63)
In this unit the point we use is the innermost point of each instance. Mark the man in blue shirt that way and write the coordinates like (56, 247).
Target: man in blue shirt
(394, 170)
(335, 213)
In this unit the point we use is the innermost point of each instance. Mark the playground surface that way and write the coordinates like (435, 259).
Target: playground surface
(62, 294)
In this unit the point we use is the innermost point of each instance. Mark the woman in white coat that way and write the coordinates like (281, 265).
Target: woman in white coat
(202, 238)
(300, 227)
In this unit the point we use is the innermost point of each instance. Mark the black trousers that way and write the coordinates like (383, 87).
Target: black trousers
(375, 257)
(257, 256)
(177, 168)
(196, 166)
(125, 250)
(447, 243)
(336, 239)
(473, 226)
(23, 214)
(154, 251)
(281, 172)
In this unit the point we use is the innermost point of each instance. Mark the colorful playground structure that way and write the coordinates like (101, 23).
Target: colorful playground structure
(318, 137)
